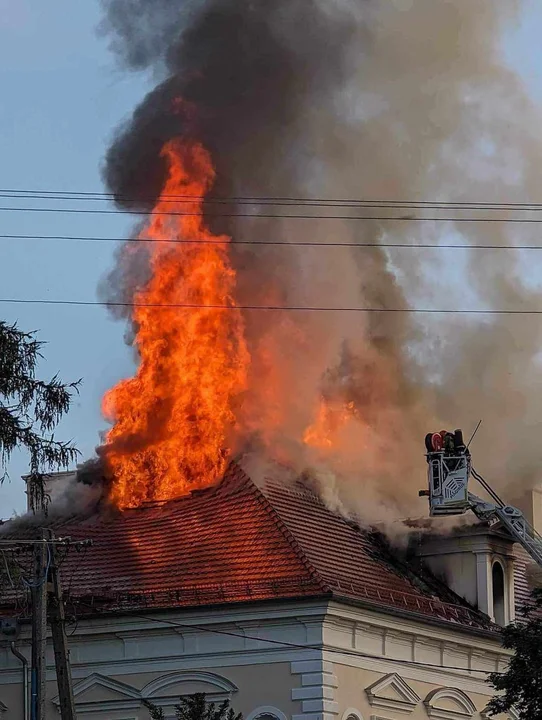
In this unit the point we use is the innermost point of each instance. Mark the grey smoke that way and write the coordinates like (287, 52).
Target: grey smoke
(373, 99)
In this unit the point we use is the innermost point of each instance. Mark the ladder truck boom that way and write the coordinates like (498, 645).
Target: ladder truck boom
(449, 471)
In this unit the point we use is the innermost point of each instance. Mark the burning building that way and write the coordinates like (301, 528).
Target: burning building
(269, 327)
(262, 594)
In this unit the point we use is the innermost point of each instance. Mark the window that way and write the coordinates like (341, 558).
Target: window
(498, 594)
(266, 712)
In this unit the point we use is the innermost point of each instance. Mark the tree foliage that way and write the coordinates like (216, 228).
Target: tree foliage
(196, 707)
(30, 410)
(521, 683)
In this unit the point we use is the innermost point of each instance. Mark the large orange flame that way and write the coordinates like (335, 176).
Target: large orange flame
(172, 420)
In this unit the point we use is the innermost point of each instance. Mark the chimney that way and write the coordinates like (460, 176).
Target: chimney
(477, 563)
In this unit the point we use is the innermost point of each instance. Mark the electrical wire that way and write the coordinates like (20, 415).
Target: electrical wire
(295, 243)
(287, 644)
(276, 216)
(39, 583)
(270, 308)
(281, 202)
(277, 199)
(7, 570)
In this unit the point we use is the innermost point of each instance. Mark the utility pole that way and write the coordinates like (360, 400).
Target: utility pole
(60, 641)
(39, 629)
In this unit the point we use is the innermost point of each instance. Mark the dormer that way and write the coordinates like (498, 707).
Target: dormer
(477, 563)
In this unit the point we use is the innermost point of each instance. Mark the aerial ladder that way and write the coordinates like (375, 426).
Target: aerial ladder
(449, 471)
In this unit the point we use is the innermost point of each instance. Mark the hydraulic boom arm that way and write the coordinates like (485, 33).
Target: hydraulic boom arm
(513, 520)
(449, 471)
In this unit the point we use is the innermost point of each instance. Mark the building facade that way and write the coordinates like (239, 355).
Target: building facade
(312, 619)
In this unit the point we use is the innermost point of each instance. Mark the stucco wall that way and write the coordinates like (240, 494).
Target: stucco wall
(301, 661)
(254, 686)
(352, 695)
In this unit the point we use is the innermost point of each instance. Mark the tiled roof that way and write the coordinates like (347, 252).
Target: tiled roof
(238, 543)
(359, 565)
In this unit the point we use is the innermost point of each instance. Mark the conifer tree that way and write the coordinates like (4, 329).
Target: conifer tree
(30, 409)
(196, 707)
(521, 684)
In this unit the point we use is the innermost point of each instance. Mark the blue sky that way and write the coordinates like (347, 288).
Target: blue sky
(61, 98)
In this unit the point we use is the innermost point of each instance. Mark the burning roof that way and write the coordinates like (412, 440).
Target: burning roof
(235, 542)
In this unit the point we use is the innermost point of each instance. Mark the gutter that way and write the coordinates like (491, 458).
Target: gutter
(488, 634)
(24, 663)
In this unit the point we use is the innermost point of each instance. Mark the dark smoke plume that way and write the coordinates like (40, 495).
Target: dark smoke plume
(373, 99)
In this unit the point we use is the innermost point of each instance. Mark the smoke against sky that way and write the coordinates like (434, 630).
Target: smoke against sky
(387, 100)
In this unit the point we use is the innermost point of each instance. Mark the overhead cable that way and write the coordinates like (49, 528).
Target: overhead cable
(391, 203)
(292, 308)
(286, 243)
(270, 216)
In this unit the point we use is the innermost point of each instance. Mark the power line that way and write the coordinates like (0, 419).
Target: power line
(277, 216)
(295, 243)
(288, 202)
(281, 202)
(292, 308)
(255, 199)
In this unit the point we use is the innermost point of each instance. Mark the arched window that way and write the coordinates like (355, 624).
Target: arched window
(352, 714)
(266, 712)
(497, 574)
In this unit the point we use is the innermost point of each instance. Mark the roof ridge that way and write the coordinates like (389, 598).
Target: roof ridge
(290, 537)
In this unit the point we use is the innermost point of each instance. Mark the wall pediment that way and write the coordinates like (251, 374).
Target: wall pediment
(184, 682)
(107, 694)
(392, 693)
(100, 691)
(449, 704)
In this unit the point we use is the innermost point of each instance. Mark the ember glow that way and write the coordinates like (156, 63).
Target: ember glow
(171, 421)
(322, 434)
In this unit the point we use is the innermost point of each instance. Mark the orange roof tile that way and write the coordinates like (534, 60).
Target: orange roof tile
(237, 543)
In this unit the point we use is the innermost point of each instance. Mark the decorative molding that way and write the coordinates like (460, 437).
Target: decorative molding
(465, 706)
(405, 701)
(166, 681)
(311, 666)
(352, 713)
(131, 696)
(263, 710)
(313, 692)
(320, 706)
(131, 699)
(321, 679)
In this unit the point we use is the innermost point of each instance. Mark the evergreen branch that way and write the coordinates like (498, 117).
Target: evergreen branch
(30, 409)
